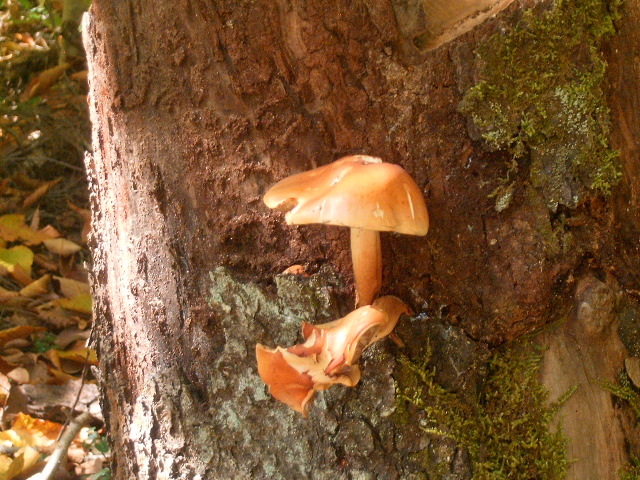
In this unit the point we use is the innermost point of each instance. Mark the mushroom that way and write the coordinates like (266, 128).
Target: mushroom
(362, 193)
(329, 354)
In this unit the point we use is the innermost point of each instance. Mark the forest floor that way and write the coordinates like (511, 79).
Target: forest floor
(47, 385)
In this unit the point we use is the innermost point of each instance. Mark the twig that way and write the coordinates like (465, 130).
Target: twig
(59, 453)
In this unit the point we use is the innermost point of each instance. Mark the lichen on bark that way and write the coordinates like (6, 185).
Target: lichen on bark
(540, 96)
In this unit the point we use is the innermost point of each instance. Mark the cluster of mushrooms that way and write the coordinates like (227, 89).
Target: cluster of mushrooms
(368, 196)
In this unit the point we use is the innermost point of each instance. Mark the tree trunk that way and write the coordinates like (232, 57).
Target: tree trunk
(198, 107)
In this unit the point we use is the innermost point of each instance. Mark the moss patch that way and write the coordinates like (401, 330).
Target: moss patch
(627, 393)
(506, 431)
(540, 96)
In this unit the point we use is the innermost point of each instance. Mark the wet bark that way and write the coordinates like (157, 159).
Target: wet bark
(197, 108)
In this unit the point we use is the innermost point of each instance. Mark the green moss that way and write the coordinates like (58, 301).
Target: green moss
(541, 97)
(631, 471)
(625, 391)
(506, 431)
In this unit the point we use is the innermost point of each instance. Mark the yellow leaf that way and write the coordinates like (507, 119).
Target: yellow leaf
(80, 303)
(13, 227)
(36, 432)
(81, 355)
(36, 288)
(62, 246)
(18, 255)
(22, 331)
(5, 462)
(23, 460)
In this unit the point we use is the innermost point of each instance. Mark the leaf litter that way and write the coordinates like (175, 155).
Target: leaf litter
(46, 382)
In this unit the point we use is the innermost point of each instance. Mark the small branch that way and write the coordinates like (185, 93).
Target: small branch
(60, 452)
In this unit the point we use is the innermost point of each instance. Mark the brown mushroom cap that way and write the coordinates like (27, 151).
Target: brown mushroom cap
(356, 191)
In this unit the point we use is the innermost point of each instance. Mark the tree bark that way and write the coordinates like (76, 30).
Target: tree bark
(197, 107)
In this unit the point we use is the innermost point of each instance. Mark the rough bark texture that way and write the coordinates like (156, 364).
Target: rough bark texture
(197, 108)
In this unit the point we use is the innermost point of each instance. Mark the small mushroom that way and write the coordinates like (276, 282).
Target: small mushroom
(362, 193)
(329, 354)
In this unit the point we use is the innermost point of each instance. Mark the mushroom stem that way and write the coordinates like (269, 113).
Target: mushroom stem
(366, 256)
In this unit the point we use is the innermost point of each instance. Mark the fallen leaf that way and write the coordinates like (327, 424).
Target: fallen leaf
(19, 274)
(39, 192)
(69, 336)
(13, 227)
(80, 303)
(71, 288)
(37, 288)
(84, 355)
(41, 82)
(32, 437)
(41, 434)
(55, 315)
(44, 262)
(22, 461)
(85, 215)
(5, 388)
(6, 295)
(22, 331)
(80, 76)
(18, 255)
(62, 246)
(34, 224)
(19, 375)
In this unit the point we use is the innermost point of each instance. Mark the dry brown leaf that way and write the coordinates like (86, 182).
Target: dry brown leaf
(80, 76)
(41, 82)
(20, 274)
(59, 376)
(85, 215)
(37, 288)
(44, 262)
(19, 375)
(6, 295)
(19, 358)
(3, 186)
(18, 332)
(34, 224)
(62, 246)
(55, 315)
(5, 388)
(69, 336)
(5, 367)
(39, 192)
(19, 343)
(25, 182)
(39, 373)
(71, 288)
